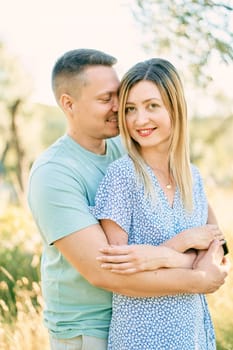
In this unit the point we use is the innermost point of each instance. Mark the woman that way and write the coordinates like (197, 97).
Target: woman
(154, 196)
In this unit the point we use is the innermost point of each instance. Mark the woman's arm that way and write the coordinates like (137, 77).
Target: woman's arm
(122, 258)
(81, 249)
(197, 237)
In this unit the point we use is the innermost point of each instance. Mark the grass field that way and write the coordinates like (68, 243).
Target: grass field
(221, 302)
(21, 304)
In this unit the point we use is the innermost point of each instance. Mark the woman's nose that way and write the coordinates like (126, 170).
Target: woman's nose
(142, 117)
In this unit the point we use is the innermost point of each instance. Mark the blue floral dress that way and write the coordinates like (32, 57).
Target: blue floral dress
(178, 322)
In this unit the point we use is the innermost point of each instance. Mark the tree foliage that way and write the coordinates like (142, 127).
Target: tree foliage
(193, 31)
(212, 148)
(15, 87)
(25, 128)
(14, 82)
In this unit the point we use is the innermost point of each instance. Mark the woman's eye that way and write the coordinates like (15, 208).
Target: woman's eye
(129, 109)
(152, 106)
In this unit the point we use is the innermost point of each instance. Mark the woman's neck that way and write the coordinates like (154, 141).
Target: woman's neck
(156, 160)
(159, 163)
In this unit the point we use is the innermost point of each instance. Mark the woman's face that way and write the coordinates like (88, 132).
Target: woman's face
(147, 118)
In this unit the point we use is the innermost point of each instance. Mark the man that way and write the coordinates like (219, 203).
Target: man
(62, 185)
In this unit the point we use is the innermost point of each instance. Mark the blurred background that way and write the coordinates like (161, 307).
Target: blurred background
(195, 35)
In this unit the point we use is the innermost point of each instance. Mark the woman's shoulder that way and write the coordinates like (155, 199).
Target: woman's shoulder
(198, 181)
(119, 175)
(195, 171)
(123, 164)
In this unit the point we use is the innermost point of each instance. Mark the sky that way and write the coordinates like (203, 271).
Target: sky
(38, 32)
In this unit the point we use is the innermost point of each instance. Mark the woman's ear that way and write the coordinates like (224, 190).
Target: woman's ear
(66, 103)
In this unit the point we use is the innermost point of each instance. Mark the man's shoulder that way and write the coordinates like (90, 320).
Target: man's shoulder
(115, 143)
(56, 158)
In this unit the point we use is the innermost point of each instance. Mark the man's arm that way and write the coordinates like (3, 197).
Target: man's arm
(81, 249)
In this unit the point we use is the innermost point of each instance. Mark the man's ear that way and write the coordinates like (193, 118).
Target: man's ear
(66, 103)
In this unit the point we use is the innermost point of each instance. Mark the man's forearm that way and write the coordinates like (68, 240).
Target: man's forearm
(155, 283)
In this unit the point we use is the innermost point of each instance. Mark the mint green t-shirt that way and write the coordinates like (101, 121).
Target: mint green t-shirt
(62, 185)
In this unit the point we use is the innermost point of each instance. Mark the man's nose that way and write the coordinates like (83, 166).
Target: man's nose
(115, 104)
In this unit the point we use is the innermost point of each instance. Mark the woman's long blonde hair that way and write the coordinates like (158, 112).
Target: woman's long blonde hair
(164, 75)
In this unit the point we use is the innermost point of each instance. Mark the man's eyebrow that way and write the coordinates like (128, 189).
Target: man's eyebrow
(108, 92)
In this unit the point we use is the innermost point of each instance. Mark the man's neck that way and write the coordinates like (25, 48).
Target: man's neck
(92, 145)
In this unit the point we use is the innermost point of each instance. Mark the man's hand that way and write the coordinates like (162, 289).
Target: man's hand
(214, 266)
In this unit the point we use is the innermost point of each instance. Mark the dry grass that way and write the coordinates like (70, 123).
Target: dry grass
(221, 302)
(27, 331)
(21, 326)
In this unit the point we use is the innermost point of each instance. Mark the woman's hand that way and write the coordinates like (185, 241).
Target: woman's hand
(195, 238)
(201, 237)
(126, 259)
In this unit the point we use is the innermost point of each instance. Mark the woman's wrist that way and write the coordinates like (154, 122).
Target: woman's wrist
(181, 242)
(188, 242)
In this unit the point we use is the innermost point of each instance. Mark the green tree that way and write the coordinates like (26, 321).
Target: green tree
(26, 128)
(195, 35)
(193, 31)
(15, 88)
(212, 148)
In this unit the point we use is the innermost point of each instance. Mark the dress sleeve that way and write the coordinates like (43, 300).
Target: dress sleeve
(114, 197)
(199, 193)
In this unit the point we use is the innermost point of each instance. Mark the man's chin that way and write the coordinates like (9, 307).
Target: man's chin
(113, 133)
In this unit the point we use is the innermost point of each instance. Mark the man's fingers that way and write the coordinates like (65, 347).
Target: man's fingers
(213, 248)
(226, 264)
(214, 252)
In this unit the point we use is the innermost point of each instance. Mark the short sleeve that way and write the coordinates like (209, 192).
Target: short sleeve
(198, 181)
(199, 194)
(58, 202)
(114, 197)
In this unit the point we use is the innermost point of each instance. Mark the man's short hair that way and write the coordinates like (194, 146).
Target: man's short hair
(73, 63)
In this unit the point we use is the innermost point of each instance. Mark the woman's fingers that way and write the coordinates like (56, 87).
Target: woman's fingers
(113, 258)
(217, 233)
(116, 249)
(125, 272)
(119, 259)
(110, 266)
(121, 268)
(117, 267)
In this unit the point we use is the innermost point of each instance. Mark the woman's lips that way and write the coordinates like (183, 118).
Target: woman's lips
(145, 132)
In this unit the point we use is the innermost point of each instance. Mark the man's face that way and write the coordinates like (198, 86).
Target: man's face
(96, 105)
